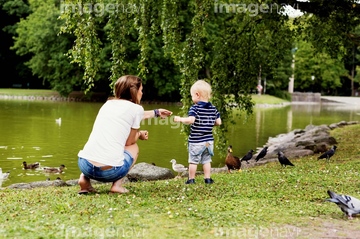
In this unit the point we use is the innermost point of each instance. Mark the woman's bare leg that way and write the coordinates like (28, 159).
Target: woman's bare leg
(117, 185)
(85, 184)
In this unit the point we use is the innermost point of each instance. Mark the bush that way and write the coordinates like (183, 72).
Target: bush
(280, 94)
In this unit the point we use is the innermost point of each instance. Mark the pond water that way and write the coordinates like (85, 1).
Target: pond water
(32, 131)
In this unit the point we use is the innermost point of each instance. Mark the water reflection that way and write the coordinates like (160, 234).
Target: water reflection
(52, 133)
(289, 120)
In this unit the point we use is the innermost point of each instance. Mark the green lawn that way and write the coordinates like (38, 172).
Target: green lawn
(267, 99)
(258, 99)
(26, 92)
(261, 202)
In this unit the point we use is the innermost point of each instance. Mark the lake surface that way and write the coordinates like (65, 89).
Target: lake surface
(31, 131)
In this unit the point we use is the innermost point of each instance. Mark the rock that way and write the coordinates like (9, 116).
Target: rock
(72, 182)
(297, 153)
(37, 184)
(299, 143)
(56, 183)
(149, 172)
(20, 186)
(219, 170)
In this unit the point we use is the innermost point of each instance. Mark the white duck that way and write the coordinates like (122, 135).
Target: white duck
(4, 175)
(58, 121)
(179, 168)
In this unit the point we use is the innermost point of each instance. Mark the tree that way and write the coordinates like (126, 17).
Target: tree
(317, 71)
(10, 63)
(225, 44)
(38, 35)
(332, 23)
(330, 27)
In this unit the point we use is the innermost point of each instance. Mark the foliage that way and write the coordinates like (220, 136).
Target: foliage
(263, 197)
(50, 64)
(126, 34)
(281, 94)
(331, 24)
(326, 71)
(148, 38)
(193, 40)
(10, 63)
(172, 43)
(331, 27)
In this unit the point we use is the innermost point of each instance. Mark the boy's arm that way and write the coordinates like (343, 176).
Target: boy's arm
(185, 120)
(218, 122)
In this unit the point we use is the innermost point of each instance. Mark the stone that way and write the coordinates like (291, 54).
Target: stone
(149, 172)
(299, 143)
(56, 183)
(20, 186)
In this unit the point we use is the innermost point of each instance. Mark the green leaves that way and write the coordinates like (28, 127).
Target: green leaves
(315, 71)
(37, 37)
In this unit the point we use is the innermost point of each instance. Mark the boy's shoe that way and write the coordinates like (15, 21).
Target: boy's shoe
(209, 180)
(190, 181)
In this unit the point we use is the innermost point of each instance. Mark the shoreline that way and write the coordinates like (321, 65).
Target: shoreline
(73, 97)
(54, 96)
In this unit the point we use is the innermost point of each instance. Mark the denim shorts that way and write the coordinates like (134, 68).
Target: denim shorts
(201, 152)
(108, 175)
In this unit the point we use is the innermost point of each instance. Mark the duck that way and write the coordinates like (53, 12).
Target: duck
(4, 175)
(31, 165)
(232, 162)
(58, 121)
(54, 170)
(179, 168)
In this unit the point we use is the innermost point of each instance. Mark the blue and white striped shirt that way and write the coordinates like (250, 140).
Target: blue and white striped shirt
(205, 115)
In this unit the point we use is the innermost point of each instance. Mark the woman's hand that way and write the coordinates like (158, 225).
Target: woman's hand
(164, 113)
(143, 134)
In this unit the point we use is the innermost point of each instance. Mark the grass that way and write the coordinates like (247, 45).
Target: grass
(27, 92)
(258, 99)
(258, 200)
(267, 99)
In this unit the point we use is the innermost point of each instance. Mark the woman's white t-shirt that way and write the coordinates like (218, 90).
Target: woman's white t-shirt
(110, 131)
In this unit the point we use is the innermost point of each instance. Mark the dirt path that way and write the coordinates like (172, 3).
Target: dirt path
(323, 228)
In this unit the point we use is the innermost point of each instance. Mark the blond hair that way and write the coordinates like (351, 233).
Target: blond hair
(203, 88)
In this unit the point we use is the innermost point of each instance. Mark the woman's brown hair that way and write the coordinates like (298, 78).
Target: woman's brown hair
(127, 87)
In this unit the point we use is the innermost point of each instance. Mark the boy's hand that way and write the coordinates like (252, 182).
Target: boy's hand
(177, 119)
(144, 135)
